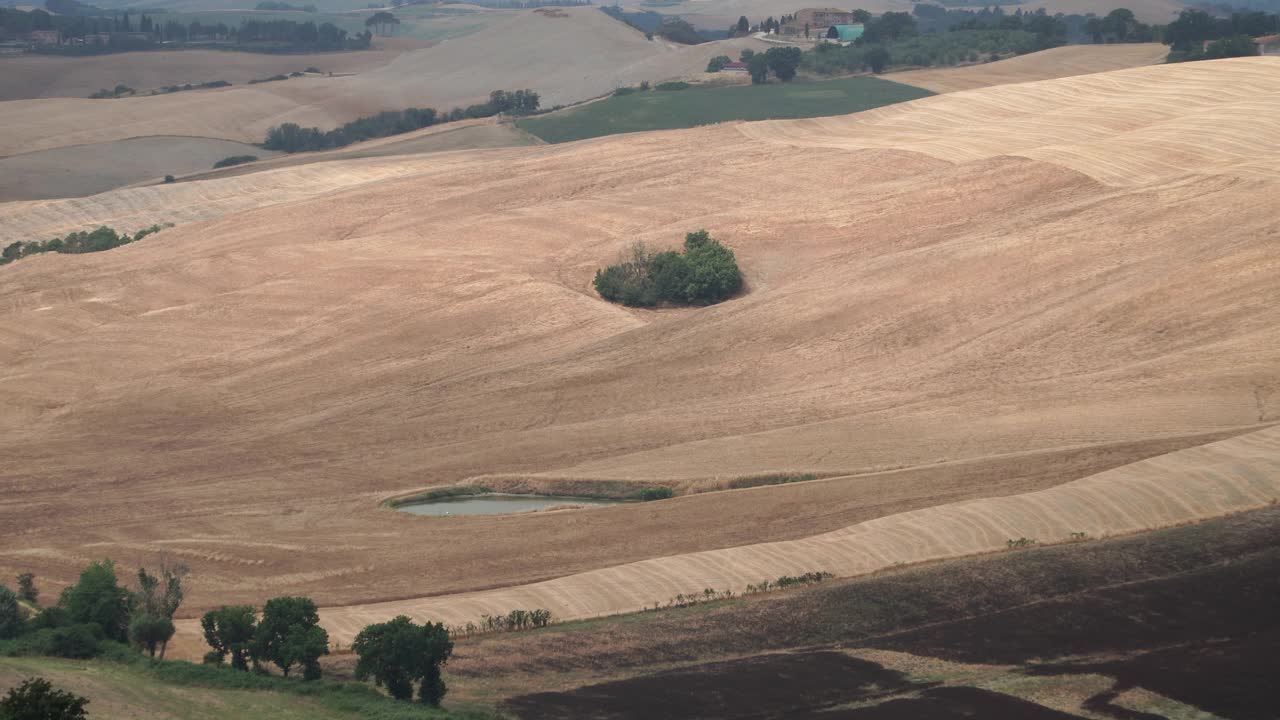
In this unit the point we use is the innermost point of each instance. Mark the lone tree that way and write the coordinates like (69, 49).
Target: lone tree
(98, 598)
(383, 22)
(27, 587)
(398, 653)
(290, 634)
(10, 614)
(157, 599)
(783, 62)
(36, 699)
(758, 66)
(229, 630)
(744, 26)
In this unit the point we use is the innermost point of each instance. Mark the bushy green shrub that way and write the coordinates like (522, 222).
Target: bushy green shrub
(234, 160)
(705, 274)
(655, 493)
(36, 699)
(673, 85)
(623, 91)
(717, 63)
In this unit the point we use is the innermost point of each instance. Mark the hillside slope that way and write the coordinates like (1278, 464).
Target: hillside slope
(1059, 62)
(945, 289)
(566, 59)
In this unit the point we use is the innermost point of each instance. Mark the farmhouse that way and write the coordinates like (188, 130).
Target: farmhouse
(1268, 44)
(46, 37)
(822, 18)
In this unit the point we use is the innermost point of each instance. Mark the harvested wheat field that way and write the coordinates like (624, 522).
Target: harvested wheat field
(79, 170)
(1233, 475)
(566, 59)
(982, 296)
(1057, 62)
(47, 76)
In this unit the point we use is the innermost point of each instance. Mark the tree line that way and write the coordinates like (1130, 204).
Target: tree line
(103, 238)
(291, 137)
(148, 32)
(704, 274)
(99, 617)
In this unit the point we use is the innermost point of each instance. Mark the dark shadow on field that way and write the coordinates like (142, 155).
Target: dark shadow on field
(1230, 677)
(765, 686)
(948, 703)
(1208, 637)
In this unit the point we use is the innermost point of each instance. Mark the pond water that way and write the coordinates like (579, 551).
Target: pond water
(496, 504)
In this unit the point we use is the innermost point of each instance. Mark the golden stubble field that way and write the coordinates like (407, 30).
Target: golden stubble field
(981, 294)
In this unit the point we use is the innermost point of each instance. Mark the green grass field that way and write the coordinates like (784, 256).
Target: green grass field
(179, 691)
(665, 110)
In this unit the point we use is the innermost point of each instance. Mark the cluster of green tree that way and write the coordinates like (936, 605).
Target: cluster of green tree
(679, 31)
(717, 63)
(94, 615)
(99, 617)
(652, 23)
(1197, 35)
(188, 86)
(82, 34)
(1119, 26)
(950, 48)
(291, 137)
(300, 35)
(287, 635)
(120, 90)
(234, 160)
(780, 61)
(383, 22)
(515, 4)
(104, 238)
(284, 6)
(787, 581)
(37, 699)
(672, 85)
(704, 274)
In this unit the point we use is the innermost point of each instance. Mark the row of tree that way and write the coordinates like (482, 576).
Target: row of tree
(85, 241)
(249, 35)
(291, 137)
(97, 610)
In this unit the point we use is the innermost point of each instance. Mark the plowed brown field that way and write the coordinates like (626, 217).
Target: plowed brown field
(983, 294)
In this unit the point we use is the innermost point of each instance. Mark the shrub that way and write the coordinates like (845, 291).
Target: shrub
(705, 274)
(234, 160)
(624, 91)
(717, 63)
(169, 179)
(644, 86)
(36, 699)
(273, 78)
(673, 85)
(655, 493)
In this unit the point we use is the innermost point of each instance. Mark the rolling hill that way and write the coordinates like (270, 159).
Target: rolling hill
(981, 296)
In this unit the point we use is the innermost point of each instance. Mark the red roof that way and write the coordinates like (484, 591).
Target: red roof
(735, 66)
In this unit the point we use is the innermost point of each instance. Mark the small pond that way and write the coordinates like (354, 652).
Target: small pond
(496, 504)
